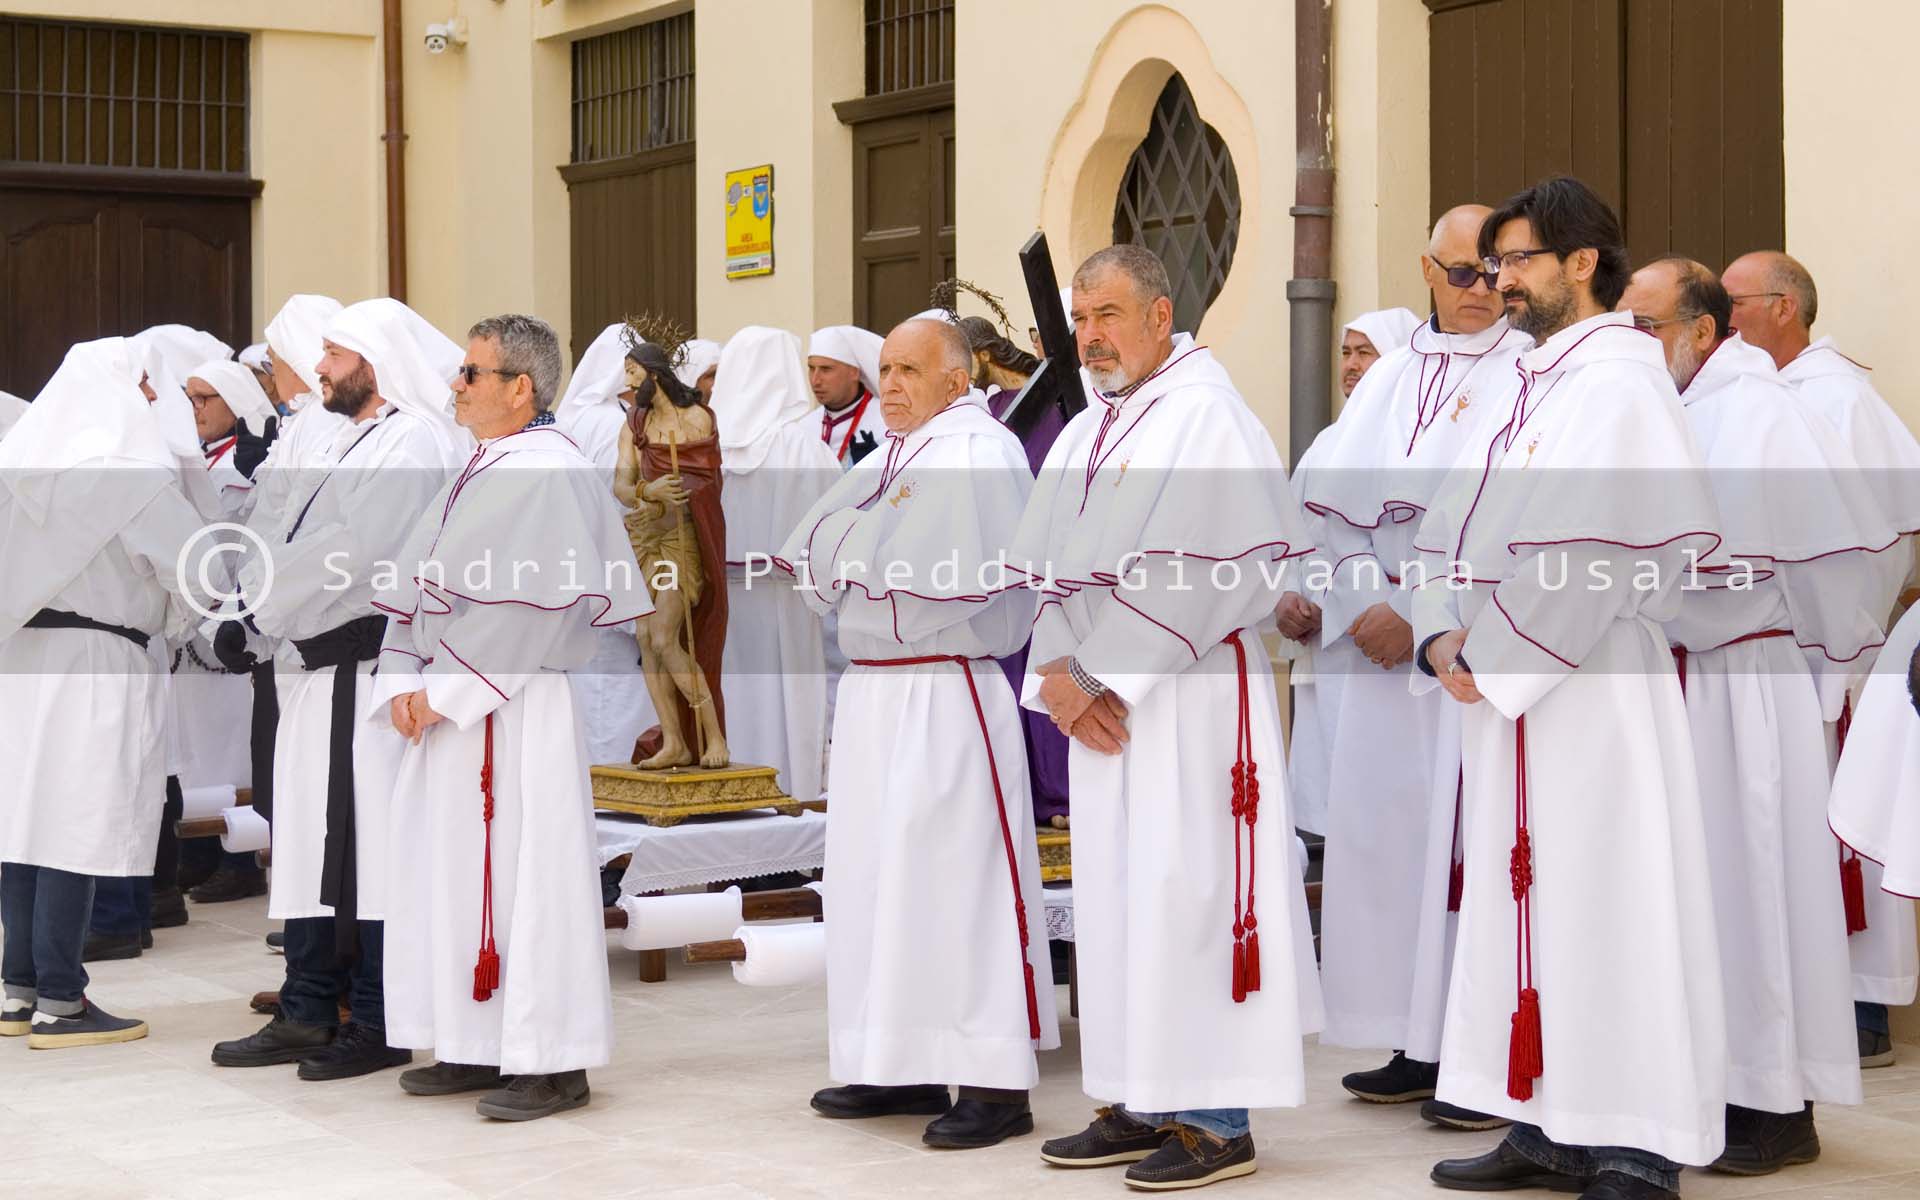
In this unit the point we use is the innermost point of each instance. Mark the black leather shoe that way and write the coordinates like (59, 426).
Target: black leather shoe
(1452, 1116)
(973, 1124)
(356, 1050)
(530, 1097)
(1501, 1169)
(278, 1041)
(1190, 1158)
(1760, 1143)
(1112, 1139)
(1876, 1050)
(858, 1101)
(1400, 1081)
(229, 884)
(169, 909)
(106, 947)
(1612, 1185)
(448, 1079)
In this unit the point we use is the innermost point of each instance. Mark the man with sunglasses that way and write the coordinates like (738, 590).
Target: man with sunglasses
(1392, 828)
(387, 372)
(1585, 1002)
(1774, 307)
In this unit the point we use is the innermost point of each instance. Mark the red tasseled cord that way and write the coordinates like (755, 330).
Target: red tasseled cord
(486, 970)
(1245, 810)
(1457, 876)
(1853, 891)
(1525, 1058)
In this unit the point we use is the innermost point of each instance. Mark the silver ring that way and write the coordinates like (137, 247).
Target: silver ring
(1453, 666)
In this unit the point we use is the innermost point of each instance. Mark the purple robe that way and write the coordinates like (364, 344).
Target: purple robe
(1046, 745)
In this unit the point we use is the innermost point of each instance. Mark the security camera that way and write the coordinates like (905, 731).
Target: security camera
(452, 32)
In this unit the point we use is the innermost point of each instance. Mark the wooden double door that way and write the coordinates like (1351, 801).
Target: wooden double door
(83, 263)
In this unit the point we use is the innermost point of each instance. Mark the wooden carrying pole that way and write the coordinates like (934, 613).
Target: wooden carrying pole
(686, 609)
(783, 905)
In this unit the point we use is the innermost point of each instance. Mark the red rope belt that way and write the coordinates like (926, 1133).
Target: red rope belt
(486, 970)
(1524, 1054)
(1457, 874)
(1000, 801)
(1853, 884)
(1246, 812)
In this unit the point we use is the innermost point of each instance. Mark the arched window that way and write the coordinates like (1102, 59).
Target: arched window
(1180, 198)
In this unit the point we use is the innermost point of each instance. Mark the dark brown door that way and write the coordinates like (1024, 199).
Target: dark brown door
(903, 214)
(1670, 109)
(78, 265)
(633, 240)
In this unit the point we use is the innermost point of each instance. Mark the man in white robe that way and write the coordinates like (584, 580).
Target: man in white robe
(843, 369)
(1317, 675)
(1875, 808)
(1775, 304)
(775, 469)
(615, 705)
(1392, 837)
(1552, 558)
(1799, 517)
(699, 366)
(1159, 530)
(937, 967)
(93, 523)
(388, 372)
(496, 954)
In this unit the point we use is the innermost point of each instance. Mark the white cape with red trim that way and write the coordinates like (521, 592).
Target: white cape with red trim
(1875, 806)
(1795, 507)
(492, 652)
(928, 779)
(1182, 473)
(1623, 949)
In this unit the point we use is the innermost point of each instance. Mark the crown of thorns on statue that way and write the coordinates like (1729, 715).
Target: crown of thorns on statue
(946, 295)
(665, 335)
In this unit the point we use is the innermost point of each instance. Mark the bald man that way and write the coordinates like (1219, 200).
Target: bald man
(1389, 902)
(1774, 306)
(1797, 510)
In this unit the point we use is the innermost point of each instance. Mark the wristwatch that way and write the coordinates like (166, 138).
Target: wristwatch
(1085, 682)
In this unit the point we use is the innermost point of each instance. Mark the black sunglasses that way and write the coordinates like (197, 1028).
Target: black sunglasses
(472, 372)
(1464, 277)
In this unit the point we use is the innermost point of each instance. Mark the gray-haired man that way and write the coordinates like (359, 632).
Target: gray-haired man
(496, 955)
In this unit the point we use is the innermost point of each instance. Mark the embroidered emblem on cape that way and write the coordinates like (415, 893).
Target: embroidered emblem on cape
(1122, 476)
(1533, 444)
(1460, 404)
(905, 493)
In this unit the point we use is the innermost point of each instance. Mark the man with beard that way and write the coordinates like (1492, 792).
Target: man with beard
(843, 369)
(1774, 306)
(387, 372)
(1158, 531)
(1594, 1019)
(1386, 933)
(1796, 507)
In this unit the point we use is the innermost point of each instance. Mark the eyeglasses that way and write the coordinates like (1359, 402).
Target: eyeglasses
(1756, 296)
(1648, 324)
(1464, 277)
(1512, 260)
(472, 372)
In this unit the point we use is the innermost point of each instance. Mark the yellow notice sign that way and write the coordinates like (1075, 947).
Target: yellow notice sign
(750, 222)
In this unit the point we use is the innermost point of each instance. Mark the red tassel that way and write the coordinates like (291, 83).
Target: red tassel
(1239, 972)
(1033, 1009)
(1523, 1051)
(1253, 962)
(1456, 886)
(486, 975)
(1853, 891)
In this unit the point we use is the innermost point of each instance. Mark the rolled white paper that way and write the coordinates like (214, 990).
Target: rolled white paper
(662, 922)
(206, 801)
(782, 955)
(246, 831)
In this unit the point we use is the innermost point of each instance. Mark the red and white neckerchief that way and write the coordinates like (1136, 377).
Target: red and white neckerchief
(849, 416)
(219, 450)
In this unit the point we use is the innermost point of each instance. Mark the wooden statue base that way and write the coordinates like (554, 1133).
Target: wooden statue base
(1056, 855)
(666, 798)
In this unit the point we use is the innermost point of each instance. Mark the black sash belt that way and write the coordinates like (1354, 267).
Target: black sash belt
(344, 649)
(54, 618)
(265, 727)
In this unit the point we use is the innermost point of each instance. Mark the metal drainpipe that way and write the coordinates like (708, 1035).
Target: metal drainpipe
(1310, 292)
(396, 139)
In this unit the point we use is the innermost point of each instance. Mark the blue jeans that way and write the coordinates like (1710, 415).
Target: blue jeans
(1223, 1123)
(317, 979)
(45, 914)
(1586, 1161)
(122, 905)
(1873, 1018)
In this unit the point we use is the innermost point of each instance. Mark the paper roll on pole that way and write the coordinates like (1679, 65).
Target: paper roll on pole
(662, 922)
(246, 831)
(782, 955)
(200, 802)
